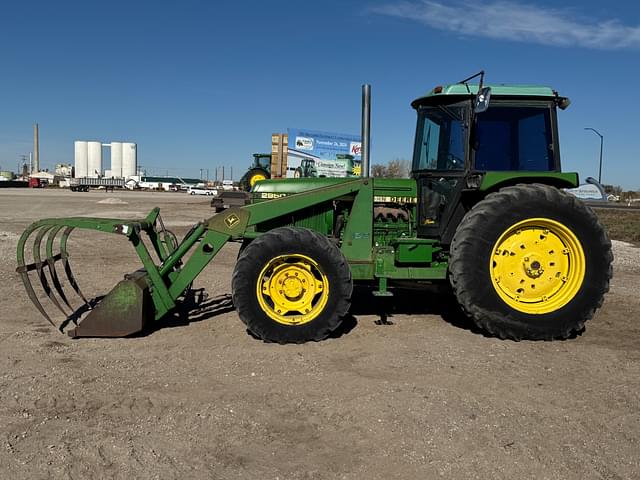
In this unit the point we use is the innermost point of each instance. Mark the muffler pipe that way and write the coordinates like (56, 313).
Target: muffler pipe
(365, 132)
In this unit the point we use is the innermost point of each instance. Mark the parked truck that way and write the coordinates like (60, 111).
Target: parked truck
(85, 183)
(37, 182)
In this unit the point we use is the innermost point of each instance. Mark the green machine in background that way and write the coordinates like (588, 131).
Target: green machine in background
(260, 170)
(484, 212)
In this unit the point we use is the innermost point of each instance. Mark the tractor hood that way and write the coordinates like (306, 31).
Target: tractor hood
(389, 189)
(289, 186)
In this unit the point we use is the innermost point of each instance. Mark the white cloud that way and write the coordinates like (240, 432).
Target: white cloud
(508, 20)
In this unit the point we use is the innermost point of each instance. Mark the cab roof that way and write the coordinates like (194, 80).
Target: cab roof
(468, 90)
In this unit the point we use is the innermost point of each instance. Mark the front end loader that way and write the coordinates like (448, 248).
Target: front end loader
(484, 212)
(155, 289)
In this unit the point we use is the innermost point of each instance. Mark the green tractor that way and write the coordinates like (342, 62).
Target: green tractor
(259, 170)
(484, 212)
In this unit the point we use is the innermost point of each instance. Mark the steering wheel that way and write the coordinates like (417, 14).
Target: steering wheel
(454, 163)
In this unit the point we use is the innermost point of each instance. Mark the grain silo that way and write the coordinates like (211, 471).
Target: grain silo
(94, 161)
(129, 159)
(116, 159)
(81, 156)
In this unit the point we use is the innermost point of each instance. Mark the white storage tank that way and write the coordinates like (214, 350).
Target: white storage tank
(116, 159)
(129, 159)
(81, 156)
(94, 162)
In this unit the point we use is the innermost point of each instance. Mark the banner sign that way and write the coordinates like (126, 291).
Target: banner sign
(323, 154)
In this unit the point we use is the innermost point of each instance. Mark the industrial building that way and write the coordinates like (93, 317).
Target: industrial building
(89, 161)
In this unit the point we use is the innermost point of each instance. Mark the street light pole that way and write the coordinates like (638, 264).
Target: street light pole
(601, 141)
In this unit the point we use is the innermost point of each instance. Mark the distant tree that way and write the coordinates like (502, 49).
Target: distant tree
(396, 168)
(378, 170)
(612, 189)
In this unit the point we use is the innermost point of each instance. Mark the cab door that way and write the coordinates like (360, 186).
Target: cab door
(440, 164)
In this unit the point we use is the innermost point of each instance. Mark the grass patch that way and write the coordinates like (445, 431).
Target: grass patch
(622, 225)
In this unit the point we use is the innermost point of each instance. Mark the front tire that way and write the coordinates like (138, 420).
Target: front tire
(292, 285)
(530, 262)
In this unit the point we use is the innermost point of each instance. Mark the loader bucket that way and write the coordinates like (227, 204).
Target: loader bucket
(123, 312)
(126, 308)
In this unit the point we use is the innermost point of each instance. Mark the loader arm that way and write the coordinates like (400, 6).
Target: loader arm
(121, 312)
(212, 234)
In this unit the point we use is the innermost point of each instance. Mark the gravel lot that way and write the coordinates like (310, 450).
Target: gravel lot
(425, 397)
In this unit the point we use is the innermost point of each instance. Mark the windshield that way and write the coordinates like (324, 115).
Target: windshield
(264, 161)
(440, 138)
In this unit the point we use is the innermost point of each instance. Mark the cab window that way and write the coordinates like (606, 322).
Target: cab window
(440, 138)
(514, 138)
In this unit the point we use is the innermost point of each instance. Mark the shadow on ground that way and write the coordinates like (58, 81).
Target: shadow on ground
(198, 306)
(426, 300)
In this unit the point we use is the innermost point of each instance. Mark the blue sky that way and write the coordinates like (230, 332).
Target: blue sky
(198, 84)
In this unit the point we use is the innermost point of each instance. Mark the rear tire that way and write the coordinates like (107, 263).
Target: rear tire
(291, 285)
(530, 262)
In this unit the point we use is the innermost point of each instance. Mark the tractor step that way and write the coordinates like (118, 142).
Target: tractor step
(382, 288)
(379, 293)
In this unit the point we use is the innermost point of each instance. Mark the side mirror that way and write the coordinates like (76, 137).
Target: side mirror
(482, 100)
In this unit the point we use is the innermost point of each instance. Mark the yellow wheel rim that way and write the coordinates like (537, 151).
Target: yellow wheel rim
(537, 266)
(292, 290)
(256, 178)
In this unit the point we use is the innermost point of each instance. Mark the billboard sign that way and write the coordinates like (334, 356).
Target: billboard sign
(322, 154)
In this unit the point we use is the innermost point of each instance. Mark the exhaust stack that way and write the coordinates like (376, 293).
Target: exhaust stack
(36, 149)
(366, 125)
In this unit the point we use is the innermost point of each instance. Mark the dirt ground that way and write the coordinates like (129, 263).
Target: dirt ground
(425, 397)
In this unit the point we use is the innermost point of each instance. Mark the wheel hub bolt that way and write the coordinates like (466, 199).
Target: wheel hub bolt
(534, 268)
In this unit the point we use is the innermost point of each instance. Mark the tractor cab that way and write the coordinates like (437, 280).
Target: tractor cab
(262, 160)
(464, 139)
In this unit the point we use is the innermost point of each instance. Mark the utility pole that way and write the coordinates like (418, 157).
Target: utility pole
(601, 142)
(23, 163)
(36, 148)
